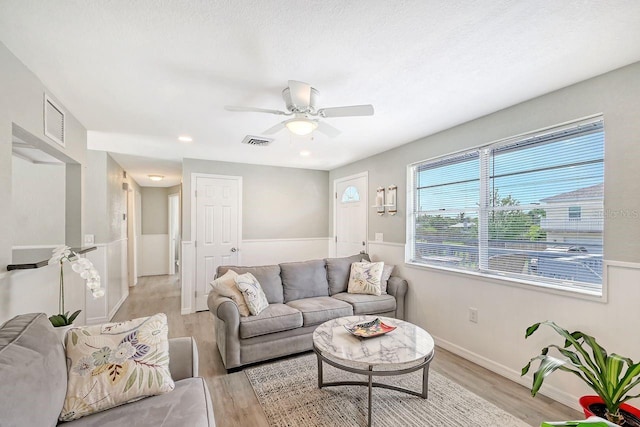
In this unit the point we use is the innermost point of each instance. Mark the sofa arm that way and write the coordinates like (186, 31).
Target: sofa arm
(227, 324)
(183, 358)
(397, 287)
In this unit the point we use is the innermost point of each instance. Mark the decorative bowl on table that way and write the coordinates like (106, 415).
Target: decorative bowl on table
(369, 329)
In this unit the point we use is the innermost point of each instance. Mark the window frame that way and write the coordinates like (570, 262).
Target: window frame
(555, 286)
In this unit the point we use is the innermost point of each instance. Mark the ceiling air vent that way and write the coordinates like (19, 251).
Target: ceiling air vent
(53, 121)
(257, 140)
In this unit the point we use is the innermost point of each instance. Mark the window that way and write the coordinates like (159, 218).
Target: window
(501, 210)
(350, 195)
(575, 212)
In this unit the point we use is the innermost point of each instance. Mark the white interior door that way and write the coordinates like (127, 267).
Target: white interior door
(351, 214)
(174, 231)
(218, 229)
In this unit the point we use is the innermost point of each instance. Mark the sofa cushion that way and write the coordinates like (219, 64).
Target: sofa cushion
(267, 275)
(320, 309)
(304, 279)
(188, 404)
(368, 304)
(116, 363)
(33, 372)
(338, 270)
(275, 318)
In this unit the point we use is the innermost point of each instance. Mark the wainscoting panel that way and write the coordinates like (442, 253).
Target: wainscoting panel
(111, 262)
(188, 270)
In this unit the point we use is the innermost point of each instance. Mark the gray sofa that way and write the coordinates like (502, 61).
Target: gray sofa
(301, 295)
(33, 383)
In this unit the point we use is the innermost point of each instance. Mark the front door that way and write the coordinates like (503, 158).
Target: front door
(351, 214)
(217, 229)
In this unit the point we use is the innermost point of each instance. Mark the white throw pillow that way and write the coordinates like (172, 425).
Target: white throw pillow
(225, 285)
(252, 292)
(116, 363)
(365, 278)
(386, 274)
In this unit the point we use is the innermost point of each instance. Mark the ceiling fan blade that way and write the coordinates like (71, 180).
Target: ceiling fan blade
(253, 110)
(274, 129)
(352, 110)
(300, 93)
(328, 130)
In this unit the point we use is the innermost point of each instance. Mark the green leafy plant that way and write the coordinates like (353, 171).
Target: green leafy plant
(585, 358)
(63, 319)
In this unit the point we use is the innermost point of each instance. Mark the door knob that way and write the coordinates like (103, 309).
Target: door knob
(363, 243)
(233, 249)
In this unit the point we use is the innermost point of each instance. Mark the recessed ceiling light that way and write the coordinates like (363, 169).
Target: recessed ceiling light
(305, 153)
(155, 177)
(185, 138)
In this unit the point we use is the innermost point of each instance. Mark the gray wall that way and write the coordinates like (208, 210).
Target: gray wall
(21, 102)
(277, 203)
(614, 94)
(105, 198)
(35, 188)
(155, 210)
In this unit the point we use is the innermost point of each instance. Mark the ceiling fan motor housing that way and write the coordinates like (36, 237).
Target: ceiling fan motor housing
(311, 108)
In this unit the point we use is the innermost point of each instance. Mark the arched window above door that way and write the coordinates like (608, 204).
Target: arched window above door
(350, 195)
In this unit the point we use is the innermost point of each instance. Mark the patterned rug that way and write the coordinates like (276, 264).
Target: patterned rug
(289, 395)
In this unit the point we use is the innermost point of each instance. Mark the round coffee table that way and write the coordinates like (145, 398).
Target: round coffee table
(406, 349)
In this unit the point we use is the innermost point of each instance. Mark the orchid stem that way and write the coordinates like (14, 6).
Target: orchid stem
(61, 301)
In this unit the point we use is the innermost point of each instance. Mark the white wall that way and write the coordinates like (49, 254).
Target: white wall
(439, 301)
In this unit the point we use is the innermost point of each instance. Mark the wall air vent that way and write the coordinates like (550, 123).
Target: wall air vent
(260, 141)
(53, 120)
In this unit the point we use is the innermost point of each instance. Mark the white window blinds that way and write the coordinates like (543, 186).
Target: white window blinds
(529, 208)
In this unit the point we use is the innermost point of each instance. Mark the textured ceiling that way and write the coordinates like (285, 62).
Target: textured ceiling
(139, 73)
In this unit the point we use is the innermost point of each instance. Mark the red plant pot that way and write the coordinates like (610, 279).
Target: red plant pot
(587, 401)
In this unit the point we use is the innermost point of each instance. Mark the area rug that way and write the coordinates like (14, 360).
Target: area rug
(288, 393)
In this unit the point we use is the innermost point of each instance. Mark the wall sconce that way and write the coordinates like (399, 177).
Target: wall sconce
(379, 201)
(392, 201)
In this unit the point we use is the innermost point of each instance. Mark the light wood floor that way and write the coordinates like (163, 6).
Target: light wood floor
(235, 404)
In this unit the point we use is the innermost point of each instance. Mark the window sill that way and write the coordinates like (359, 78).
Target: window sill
(519, 283)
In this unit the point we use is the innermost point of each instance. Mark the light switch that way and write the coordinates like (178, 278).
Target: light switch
(89, 238)
(379, 237)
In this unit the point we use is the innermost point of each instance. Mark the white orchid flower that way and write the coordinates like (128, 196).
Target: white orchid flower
(98, 293)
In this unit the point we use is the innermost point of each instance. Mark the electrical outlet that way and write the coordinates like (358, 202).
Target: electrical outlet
(473, 315)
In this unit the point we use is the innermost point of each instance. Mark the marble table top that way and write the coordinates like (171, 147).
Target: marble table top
(406, 344)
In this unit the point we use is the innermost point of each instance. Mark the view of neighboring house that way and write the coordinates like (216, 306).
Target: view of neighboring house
(575, 218)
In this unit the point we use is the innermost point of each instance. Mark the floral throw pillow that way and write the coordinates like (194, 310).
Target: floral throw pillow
(225, 285)
(116, 363)
(252, 292)
(365, 278)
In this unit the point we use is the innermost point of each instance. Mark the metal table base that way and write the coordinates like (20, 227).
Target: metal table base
(370, 373)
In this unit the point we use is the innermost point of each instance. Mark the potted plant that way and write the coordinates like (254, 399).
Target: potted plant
(86, 270)
(611, 376)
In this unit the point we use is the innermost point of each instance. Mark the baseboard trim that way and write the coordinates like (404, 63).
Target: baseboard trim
(186, 311)
(549, 390)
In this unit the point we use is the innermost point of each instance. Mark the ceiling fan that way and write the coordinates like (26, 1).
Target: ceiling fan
(300, 99)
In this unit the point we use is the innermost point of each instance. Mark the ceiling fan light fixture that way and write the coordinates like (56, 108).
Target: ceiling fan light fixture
(301, 126)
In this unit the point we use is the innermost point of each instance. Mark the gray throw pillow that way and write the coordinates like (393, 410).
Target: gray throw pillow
(338, 270)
